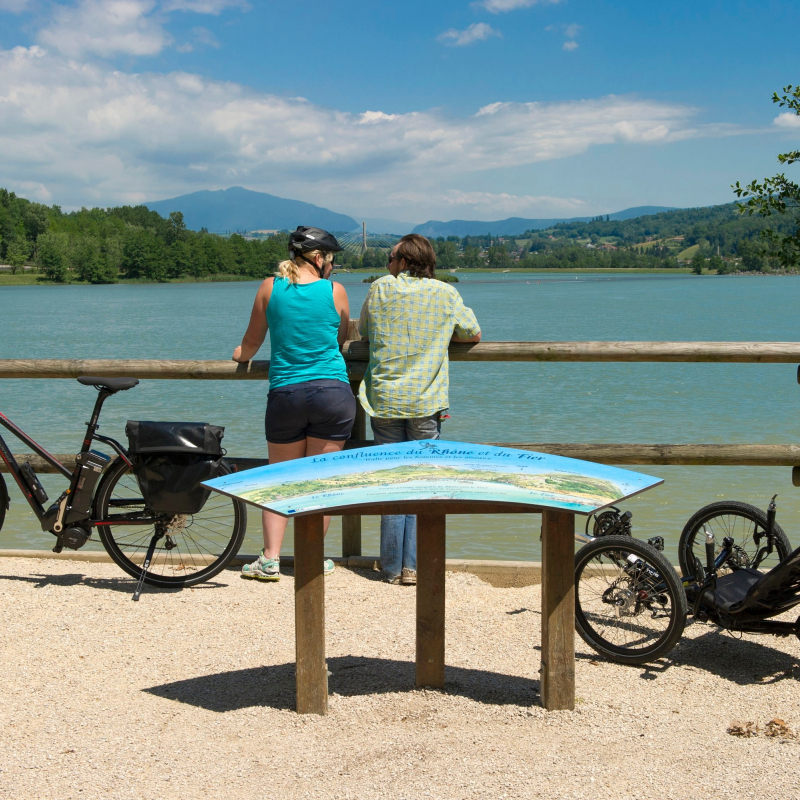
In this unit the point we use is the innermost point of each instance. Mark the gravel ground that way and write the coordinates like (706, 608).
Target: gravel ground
(191, 694)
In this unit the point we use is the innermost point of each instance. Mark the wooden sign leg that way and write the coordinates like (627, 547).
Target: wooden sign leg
(558, 610)
(351, 523)
(430, 599)
(309, 615)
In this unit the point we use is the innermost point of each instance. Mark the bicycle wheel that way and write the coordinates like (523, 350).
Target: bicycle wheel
(744, 523)
(629, 603)
(3, 501)
(196, 546)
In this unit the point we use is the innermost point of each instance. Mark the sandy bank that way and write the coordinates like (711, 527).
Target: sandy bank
(191, 694)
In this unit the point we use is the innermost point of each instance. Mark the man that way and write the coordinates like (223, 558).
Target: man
(409, 319)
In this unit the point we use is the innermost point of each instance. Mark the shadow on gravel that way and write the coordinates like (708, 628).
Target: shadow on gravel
(740, 661)
(124, 585)
(351, 676)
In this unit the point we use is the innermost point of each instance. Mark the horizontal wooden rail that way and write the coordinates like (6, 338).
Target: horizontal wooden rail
(725, 455)
(356, 354)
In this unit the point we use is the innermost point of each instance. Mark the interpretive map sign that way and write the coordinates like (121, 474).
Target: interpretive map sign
(432, 470)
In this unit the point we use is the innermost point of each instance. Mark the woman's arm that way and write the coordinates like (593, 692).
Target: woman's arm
(257, 329)
(342, 305)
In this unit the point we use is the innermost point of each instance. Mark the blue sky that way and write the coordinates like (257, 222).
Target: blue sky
(410, 110)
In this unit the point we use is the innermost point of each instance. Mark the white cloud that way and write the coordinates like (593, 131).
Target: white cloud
(92, 135)
(369, 117)
(572, 31)
(500, 6)
(106, 28)
(14, 6)
(787, 120)
(570, 45)
(215, 7)
(476, 32)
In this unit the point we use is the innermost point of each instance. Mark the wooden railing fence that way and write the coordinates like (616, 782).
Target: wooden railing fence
(356, 355)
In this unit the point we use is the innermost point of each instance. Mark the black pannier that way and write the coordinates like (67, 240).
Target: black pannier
(171, 459)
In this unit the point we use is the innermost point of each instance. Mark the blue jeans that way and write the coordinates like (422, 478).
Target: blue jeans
(399, 531)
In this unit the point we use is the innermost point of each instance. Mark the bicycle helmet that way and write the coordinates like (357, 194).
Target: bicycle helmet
(305, 239)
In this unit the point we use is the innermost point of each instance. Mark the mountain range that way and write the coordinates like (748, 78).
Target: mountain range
(506, 227)
(238, 209)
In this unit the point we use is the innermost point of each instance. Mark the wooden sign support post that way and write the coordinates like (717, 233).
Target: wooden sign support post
(558, 600)
(309, 615)
(430, 600)
(558, 610)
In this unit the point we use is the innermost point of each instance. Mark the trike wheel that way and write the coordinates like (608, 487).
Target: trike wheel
(196, 547)
(745, 524)
(629, 603)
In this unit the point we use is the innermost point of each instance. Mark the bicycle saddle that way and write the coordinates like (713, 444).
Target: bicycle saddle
(112, 385)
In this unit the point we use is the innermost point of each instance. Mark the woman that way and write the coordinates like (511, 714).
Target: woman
(310, 406)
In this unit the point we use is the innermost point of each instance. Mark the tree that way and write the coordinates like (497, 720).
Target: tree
(716, 263)
(753, 259)
(446, 254)
(51, 256)
(498, 257)
(698, 262)
(90, 263)
(17, 254)
(777, 195)
(176, 228)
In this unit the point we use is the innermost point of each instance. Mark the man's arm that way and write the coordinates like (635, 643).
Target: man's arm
(465, 324)
(475, 338)
(363, 320)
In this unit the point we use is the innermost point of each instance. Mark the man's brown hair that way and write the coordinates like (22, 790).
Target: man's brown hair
(419, 255)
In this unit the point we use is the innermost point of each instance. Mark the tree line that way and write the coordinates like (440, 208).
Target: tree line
(129, 242)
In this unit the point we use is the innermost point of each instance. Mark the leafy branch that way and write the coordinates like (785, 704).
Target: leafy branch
(777, 195)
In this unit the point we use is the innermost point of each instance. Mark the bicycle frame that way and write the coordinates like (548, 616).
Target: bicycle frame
(46, 516)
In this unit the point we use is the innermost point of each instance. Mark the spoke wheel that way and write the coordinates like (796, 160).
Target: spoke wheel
(196, 546)
(745, 524)
(629, 603)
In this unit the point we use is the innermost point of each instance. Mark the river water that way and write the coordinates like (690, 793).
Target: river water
(498, 402)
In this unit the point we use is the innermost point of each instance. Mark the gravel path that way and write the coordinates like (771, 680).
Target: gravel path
(191, 694)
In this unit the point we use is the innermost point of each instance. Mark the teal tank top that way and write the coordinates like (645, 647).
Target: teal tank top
(303, 329)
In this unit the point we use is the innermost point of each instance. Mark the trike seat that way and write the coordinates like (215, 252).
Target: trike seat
(112, 385)
(750, 593)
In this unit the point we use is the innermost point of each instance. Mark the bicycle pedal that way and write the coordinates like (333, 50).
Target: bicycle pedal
(657, 542)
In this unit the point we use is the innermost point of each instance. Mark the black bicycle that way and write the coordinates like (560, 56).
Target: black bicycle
(152, 515)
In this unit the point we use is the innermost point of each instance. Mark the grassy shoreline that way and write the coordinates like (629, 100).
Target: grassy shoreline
(36, 279)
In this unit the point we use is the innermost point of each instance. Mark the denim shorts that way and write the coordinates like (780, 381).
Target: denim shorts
(391, 431)
(322, 409)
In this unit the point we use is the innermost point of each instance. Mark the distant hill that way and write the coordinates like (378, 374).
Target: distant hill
(392, 226)
(238, 209)
(512, 225)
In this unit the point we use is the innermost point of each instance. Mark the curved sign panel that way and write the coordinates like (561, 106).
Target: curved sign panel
(432, 470)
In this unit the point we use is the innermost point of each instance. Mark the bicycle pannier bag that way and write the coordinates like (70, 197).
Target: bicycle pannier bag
(171, 459)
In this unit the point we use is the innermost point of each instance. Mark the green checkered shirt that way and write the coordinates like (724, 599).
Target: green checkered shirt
(409, 323)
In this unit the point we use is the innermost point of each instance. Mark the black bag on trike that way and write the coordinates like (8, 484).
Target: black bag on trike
(171, 459)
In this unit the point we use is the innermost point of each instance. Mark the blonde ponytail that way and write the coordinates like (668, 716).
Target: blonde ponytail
(290, 269)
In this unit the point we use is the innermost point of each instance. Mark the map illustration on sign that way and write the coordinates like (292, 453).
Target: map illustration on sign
(432, 470)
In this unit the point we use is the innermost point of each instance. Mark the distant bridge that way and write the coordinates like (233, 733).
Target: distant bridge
(360, 240)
